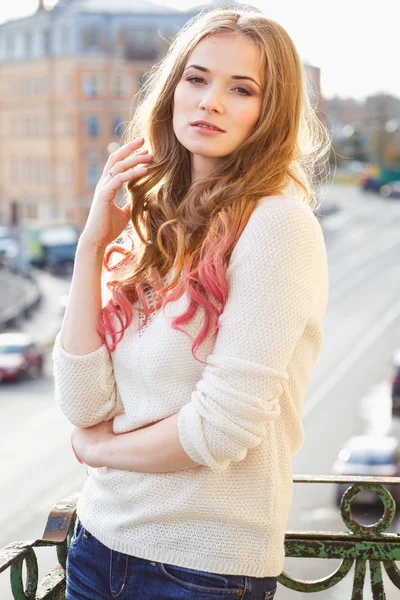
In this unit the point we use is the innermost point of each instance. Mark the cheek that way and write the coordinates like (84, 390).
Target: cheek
(179, 100)
(248, 117)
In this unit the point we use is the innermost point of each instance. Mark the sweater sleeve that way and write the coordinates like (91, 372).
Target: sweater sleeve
(85, 387)
(269, 303)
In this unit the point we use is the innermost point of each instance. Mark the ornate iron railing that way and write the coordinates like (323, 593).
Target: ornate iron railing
(360, 544)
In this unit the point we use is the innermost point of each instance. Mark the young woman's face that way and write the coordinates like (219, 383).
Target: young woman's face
(216, 96)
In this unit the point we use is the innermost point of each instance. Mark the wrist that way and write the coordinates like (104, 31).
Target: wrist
(96, 455)
(87, 245)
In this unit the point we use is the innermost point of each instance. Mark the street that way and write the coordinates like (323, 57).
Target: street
(362, 329)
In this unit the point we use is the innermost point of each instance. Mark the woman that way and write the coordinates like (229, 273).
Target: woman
(185, 378)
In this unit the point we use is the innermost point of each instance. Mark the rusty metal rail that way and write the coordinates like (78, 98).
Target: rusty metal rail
(360, 544)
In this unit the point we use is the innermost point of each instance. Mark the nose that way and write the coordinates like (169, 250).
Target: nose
(211, 101)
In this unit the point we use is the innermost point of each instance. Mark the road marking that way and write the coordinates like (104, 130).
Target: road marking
(350, 281)
(340, 251)
(370, 337)
(362, 260)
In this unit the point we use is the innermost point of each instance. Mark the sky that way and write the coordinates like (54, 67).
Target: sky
(354, 42)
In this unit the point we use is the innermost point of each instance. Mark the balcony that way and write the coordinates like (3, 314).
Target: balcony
(358, 545)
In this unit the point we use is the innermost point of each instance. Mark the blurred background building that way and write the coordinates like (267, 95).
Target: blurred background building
(365, 130)
(68, 76)
(67, 79)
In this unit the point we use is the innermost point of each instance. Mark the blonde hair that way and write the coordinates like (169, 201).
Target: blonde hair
(189, 229)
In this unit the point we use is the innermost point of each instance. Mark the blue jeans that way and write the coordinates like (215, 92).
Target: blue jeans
(94, 572)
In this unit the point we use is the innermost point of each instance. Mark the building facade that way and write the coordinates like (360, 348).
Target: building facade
(67, 80)
(369, 127)
(68, 77)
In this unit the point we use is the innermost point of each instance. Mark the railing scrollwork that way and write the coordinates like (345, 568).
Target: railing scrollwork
(360, 545)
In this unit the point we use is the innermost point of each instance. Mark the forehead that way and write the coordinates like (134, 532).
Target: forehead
(228, 54)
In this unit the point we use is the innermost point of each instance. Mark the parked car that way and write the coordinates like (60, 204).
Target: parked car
(376, 176)
(52, 246)
(19, 356)
(390, 190)
(370, 456)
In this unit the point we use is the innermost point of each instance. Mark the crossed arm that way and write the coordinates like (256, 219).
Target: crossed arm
(154, 448)
(234, 401)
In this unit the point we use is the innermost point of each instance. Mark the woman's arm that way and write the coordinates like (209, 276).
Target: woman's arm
(154, 448)
(78, 334)
(85, 386)
(234, 403)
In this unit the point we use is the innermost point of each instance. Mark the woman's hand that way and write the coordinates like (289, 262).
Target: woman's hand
(106, 220)
(86, 442)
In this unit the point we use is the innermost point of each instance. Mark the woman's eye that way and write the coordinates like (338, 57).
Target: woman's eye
(193, 78)
(246, 93)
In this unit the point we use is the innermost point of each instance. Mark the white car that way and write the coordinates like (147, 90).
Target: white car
(369, 456)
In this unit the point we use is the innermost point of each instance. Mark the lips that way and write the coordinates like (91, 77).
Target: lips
(206, 123)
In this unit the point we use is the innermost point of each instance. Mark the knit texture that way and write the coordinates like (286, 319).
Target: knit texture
(239, 417)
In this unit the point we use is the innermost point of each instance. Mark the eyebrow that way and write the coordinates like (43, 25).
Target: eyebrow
(232, 76)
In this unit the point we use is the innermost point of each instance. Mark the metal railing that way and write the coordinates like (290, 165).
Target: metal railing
(360, 544)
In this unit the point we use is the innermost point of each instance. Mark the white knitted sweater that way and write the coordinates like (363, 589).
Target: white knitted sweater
(240, 420)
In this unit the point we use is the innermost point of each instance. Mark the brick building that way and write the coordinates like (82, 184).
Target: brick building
(67, 79)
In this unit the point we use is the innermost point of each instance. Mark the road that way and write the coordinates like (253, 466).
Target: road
(362, 329)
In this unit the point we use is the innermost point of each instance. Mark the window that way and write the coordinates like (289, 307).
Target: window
(28, 169)
(92, 39)
(120, 85)
(67, 84)
(91, 84)
(46, 42)
(10, 46)
(36, 169)
(142, 44)
(92, 174)
(118, 127)
(140, 79)
(64, 39)
(44, 85)
(68, 126)
(28, 44)
(69, 173)
(43, 173)
(31, 211)
(93, 126)
(13, 169)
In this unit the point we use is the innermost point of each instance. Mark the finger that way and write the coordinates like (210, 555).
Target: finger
(124, 164)
(116, 181)
(130, 162)
(123, 152)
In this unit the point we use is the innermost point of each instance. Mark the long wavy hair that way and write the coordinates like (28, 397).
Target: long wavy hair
(187, 230)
